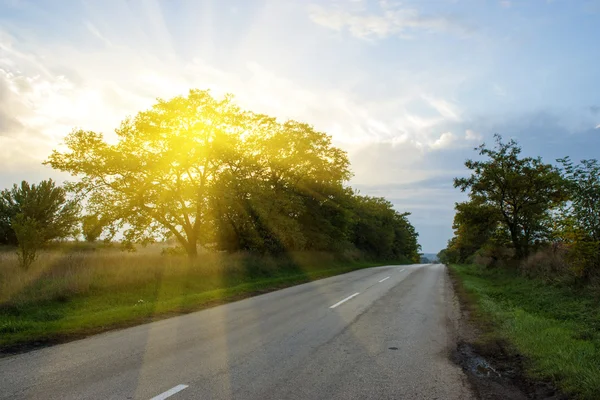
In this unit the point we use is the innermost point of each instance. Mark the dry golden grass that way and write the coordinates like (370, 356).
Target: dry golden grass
(60, 274)
(71, 291)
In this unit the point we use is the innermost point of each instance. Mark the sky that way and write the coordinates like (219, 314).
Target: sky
(407, 88)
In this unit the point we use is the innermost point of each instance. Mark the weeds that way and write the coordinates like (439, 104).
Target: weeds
(69, 292)
(557, 328)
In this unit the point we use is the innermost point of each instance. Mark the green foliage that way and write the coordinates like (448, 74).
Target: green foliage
(475, 225)
(202, 170)
(68, 292)
(583, 184)
(446, 256)
(556, 328)
(30, 238)
(381, 231)
(8, 211)
(206, 172)
(33, 215)
(549, 217)
(91, 227)
(579, 223)
(522, 190)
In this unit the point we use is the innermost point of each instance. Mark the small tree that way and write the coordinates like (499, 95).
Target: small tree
(37, 214)
(91, 227)
(30, 238)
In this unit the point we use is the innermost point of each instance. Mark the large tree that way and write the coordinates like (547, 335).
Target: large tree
(523, 190)
(262, 205)
(203, 171)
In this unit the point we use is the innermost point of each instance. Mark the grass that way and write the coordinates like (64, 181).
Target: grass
(556, 328)
(73, 292)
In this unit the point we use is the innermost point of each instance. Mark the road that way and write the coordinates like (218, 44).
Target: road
(378, 333)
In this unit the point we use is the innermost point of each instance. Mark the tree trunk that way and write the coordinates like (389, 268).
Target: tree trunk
(192, 250)
(516, 240)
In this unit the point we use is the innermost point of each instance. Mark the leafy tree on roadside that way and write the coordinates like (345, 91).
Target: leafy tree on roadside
(381, 231)
(37, 214)
(205, 172)
(579, 223)
(445, 255)
(474, 226)
(156, 178)
(405, 242)
(523, 190)
(583, 185)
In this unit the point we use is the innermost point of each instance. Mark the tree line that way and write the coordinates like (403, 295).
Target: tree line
(523, 212)
(206, 173)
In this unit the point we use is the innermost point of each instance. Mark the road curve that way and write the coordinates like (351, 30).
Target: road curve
(378, 333)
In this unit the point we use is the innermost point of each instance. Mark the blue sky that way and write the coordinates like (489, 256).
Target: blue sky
(408, 88)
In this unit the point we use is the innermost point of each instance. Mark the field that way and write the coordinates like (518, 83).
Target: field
(73, 291)
(556, 328)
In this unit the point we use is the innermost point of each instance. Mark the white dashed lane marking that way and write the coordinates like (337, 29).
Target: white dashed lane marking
(169, 392)
(345, 300)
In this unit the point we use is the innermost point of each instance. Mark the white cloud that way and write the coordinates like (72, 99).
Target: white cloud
(122, 62)
(506, 3)
(446, 140)
(389, 21)
(98, 99)
(597, 126)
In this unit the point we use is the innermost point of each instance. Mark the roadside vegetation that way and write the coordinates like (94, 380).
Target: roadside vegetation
(238, 203)
(526, 250)
(555, 327)
(70, 292)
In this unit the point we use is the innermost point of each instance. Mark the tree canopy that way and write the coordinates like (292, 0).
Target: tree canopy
(522, 190)
(31, 215)
(208, 173)
(45, 203)
(527, 213)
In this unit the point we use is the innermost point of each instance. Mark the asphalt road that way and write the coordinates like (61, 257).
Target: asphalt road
(389, 339)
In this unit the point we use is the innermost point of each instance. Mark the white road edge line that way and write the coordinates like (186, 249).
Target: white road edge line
(402, 269)
(345, 300)
(384, 279)
(170, 392)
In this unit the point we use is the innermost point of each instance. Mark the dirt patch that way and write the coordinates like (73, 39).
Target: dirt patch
(494, 369)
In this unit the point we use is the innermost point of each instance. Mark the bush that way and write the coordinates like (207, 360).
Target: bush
(584, 258)
(28, 233)
(494, 256)
(547, 264)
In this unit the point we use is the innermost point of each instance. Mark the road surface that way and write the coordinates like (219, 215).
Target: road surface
(378, 333)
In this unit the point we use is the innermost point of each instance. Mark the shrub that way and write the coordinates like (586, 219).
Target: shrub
(547, 264)
(494, 256)
(29, 237)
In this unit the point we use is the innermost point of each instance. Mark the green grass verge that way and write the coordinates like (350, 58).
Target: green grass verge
(26, 323)
(556, 328)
